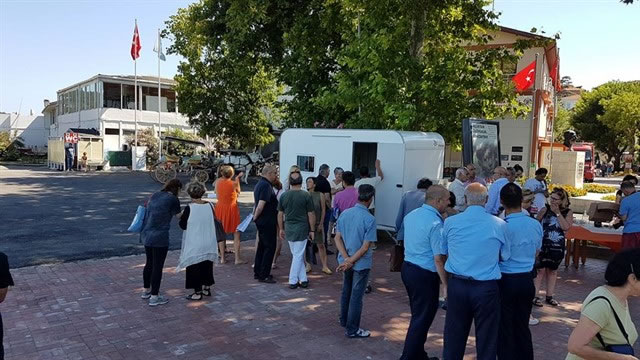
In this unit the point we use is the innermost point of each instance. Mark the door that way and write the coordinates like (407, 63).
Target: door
(389, 192)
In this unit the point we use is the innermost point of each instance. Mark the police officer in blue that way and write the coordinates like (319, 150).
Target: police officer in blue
(474, 241)
(517, 290)
(423, 268)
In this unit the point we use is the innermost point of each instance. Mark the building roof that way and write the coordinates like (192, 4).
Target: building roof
(524, 33)
(52, 106)
(144, 79)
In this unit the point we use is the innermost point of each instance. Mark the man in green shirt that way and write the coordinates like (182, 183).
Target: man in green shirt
(297, 219)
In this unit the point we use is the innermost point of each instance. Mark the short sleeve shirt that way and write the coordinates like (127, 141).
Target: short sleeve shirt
(373, 181)
(346, 199)
(600, 313)
(317, 205)
(630, 207)
(161, 208)
(356, 225)
(539, 199)
(322, 185)
(296, 204)
(5, 276)
(264, 191)
(423, 236)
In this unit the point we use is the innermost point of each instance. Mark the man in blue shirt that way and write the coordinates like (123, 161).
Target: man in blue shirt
(410, 201)
(517, 290)
(500, 176)
(630, 214)
(355, 232)
(423, 268)
(474, 241)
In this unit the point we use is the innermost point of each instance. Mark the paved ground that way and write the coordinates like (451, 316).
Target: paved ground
(62, 216)
(91, 310)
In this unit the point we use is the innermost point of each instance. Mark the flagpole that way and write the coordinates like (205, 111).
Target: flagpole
(159, 102)
(533, 115)
(555, 107)
(135, 105)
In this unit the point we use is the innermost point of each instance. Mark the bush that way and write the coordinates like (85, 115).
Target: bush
(571, 190)
(600, 189)
(609, 197)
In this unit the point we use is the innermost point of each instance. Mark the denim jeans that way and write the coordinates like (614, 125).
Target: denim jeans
(353, 286)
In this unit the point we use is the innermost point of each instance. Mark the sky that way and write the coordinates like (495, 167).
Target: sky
(46, 45)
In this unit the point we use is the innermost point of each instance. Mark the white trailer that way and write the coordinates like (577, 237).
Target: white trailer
(405, 158)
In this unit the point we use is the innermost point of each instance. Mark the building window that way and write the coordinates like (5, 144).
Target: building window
(508, 68)
(111, 95)
(306, 163)
(149, 99)
(111, 131)
(170, 95)
(128, 132)
(128, 97)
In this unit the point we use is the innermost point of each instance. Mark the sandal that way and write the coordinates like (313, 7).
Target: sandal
(551, 301)
(195, 297)
(537, 301)
(206, 292)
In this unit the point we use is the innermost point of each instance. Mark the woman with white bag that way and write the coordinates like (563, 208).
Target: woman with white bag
(199, 243)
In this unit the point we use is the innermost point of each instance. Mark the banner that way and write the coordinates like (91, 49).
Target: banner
(481, 145)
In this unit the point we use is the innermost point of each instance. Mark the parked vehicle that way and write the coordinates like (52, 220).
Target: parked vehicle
(405, 158)
(589, 162)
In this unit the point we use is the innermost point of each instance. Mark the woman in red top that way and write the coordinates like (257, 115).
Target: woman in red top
(227, 190)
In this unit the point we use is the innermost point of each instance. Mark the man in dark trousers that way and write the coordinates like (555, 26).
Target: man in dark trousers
(517, 290)
(5, 281)
(474, 242)
(265, 216)
(423, 268)
(324, 187)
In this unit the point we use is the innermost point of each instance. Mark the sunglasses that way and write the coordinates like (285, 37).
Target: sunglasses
(556, 198)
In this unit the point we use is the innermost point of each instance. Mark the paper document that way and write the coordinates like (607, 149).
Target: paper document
(242, 227)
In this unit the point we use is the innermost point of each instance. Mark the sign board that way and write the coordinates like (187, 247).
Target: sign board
(481, 145)
(71, 137)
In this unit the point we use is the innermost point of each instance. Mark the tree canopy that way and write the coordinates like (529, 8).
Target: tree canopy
(396, 64)
(609, 115)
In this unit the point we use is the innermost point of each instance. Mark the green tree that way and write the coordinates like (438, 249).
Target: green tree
(561, 124)
(364, 64)
(591, 121)
(622, 114)
(148, 138)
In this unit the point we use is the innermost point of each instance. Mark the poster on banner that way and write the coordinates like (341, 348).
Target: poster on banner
(481, 145)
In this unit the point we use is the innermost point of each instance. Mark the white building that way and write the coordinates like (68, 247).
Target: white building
(106, 103)
(32, 129)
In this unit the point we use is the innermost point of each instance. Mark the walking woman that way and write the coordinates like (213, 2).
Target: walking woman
(227, 190)
(605, 329)
(161, 207)
(320, 213)
(199, 243)
(556, 219)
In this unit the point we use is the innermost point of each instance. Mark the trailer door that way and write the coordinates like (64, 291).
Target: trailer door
(389, 191)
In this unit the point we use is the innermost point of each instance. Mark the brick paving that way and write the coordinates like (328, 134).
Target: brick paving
(92, 310)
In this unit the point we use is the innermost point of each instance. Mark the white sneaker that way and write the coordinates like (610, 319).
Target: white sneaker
(158, 300)
(533, 321)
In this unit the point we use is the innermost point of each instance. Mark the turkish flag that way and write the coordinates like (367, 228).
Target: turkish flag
(135, 44)
(526, 77)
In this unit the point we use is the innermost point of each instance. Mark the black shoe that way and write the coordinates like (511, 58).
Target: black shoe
(304, 284)
(368, 289)
(329, 252)
(293, 286)
(268, 280)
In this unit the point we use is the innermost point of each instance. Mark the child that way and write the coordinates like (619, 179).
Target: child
(84, 160)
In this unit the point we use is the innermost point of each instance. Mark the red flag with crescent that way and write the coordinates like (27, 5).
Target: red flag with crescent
(135, 44)
(526, 77)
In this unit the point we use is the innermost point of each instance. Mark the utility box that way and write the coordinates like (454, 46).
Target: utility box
(568, 168)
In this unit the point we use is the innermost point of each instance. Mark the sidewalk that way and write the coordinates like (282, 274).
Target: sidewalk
(92, 310)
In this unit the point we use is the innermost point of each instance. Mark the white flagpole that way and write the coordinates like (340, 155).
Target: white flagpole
(135, 104)
(159, 102)
(534, 141)
(555, 108)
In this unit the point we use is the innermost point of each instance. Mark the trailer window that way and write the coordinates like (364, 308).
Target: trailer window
(306, 163)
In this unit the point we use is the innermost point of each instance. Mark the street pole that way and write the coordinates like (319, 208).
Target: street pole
(135, 110)
(555, 108)
(159, 102)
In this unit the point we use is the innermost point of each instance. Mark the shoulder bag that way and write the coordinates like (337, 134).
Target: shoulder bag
(220, 234)
(625, 349)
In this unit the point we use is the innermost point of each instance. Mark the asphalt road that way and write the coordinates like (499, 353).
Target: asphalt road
(50, 216)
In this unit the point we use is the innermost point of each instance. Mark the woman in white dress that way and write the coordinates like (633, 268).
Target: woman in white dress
(199, 243)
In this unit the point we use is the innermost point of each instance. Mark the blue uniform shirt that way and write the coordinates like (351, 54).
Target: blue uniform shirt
(630, 207)
(357, 225)
(410, 201)
(493, 202)
(422, 237)
(475, 241)
(524, 234)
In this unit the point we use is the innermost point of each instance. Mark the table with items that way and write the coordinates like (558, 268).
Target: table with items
(583, 231)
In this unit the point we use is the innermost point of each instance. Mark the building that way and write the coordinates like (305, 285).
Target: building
(522, 139)
(32, 129)
(106, 103)
(569, 96)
